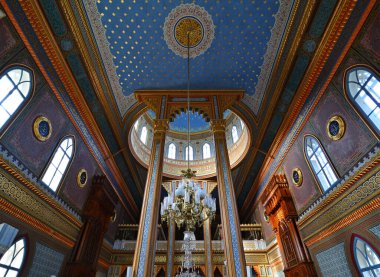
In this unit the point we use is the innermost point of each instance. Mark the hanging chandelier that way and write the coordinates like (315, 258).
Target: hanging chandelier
(190, 205)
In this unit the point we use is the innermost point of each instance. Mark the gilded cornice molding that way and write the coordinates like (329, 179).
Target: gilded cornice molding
(36, 18)
(331, 35)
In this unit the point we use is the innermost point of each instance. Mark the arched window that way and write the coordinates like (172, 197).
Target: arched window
(319, 163)
(367, 260)
(59, 163)
(235, 136)
(206, 151)
(189, 154)
(15, 87)
(242, 124)
(171, 151)
(364, 90)
(12, 260)
(136, 125)
(144, 134)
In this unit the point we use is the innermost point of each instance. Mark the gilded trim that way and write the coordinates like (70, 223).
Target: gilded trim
(36, 130)
(341, 125)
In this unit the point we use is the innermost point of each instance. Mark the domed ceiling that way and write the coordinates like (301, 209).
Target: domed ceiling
(131, 40)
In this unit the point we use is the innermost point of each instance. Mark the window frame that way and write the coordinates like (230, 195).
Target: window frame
(322, 190)
(192, 150)
(354, 256)
(232, 134)
(351, 100)
(67, 167)
(25, 255)
(146, 136)
(26, 100)
(175, 150)
(203, 152)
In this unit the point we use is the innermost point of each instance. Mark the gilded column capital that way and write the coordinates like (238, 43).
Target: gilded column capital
(160, 126)
(218, 126)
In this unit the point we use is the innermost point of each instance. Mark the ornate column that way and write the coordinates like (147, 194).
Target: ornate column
(279, 206)
(171, 239)
(233, 245)
(97, 214)
(143, 262)
(208, 241)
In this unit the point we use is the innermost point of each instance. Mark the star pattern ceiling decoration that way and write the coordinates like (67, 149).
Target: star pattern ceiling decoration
(132, 32)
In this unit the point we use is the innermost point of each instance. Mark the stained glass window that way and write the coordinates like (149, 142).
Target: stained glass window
(15, 87)
(59, 163)
(319, 163)
(12, 260)
(367, 260)
(171, 151)
(144, 134)
(364, 91)
(189, 154)
(235, 136)
(206, 151)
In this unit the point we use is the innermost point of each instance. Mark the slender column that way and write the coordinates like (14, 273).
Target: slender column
(171, 240)
(230, 218)
(97, 215)
(208, 242)
(143, 262)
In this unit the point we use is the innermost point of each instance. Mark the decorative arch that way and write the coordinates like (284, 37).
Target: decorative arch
(189, 153)
(319, 162)
(235, 135)
(366, 258)
(172, 150)
(16, 84)
(59, 163)
(363, 90)
(144, 134)
(206, 151)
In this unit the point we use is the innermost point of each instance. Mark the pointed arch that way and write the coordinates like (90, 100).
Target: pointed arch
(319, 163)
(172, 151)
(13, 259)
(59, 163)
(206, 150)
(367, 260)
(363, 90)
(235, 136)
(144, 134)
(15, 89)
(189, 153)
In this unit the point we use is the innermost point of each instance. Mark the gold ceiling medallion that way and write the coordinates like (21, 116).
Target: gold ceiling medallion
(42, 128)
(192, 26)
(184, 19)
(297, 177)
(335, 127)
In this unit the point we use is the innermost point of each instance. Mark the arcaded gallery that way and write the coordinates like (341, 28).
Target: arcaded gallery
(192, 138)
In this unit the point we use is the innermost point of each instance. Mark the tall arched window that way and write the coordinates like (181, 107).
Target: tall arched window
(189, 153)
(137, 124)
(206, 150)
(15, 87)
(12, 260)
(171, 151)
(367, 260)
(242, 124)
(144, 134)
(364, 90)
(319, 163)
(235, 136)
(59, 163)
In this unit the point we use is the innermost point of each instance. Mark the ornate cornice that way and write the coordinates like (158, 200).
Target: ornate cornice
(36, 18)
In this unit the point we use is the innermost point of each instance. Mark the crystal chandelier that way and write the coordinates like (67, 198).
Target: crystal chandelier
(188, 268)
(190, 205)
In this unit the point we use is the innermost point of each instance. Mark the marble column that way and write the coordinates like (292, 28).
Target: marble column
(171, 239)
(233, 246)
(143, 262)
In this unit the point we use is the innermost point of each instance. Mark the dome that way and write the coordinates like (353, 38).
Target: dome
(200, 151)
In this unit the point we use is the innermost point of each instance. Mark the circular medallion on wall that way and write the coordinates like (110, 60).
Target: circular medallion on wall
(42, 128)
(297, 176)
(335, 127)
(266, 217)
(82, 178)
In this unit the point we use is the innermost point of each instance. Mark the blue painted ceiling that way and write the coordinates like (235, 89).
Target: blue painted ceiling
(134, 30)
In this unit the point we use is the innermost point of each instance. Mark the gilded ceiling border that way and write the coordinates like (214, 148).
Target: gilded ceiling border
(38, 22)
(293, 124)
